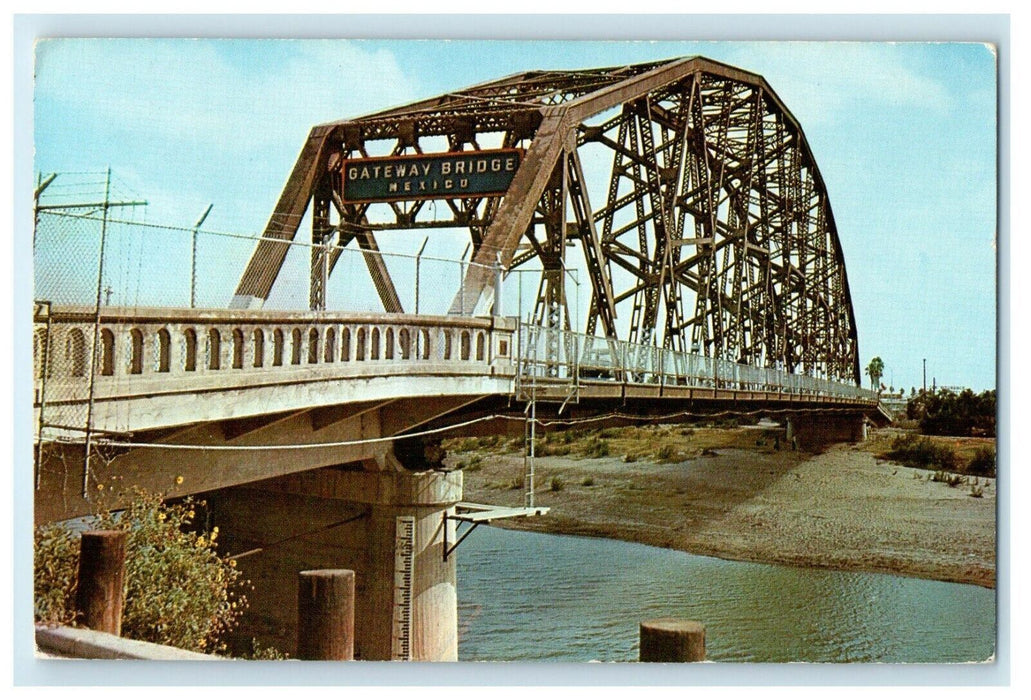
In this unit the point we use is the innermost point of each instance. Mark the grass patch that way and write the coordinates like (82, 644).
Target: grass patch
(587, 481)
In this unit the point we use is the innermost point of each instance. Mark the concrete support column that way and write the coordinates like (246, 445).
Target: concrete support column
(813, 430)
(386, 526)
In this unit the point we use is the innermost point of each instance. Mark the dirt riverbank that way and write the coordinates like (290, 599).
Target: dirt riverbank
(730, 493)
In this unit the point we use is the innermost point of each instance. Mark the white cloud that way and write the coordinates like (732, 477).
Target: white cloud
(178, 89)
(821, 81)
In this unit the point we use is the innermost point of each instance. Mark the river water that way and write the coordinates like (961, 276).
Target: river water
(535, 597)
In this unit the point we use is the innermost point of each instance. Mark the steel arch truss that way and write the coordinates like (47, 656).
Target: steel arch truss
(711, 230)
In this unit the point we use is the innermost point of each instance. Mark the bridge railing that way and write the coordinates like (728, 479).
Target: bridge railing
(149, 352)
(557, 354)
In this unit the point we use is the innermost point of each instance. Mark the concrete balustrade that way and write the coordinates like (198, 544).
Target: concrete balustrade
(157, 353)
(189, 344)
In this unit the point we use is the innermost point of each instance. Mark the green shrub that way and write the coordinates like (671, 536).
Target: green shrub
(595, 448)
(178, 590)
(556, 483)
(629, 458)
(922, 452)
(260, 652)
(952, 480)
(553, 450)
(55, 562)
(667, 453)
(983, 462)
(587, 481)
(943, 412)
(461, 444)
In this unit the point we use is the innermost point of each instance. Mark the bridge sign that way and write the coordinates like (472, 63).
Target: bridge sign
(436, 176)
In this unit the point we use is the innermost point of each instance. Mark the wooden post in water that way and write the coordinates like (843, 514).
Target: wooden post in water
(100, 593)
(670, 639)
(325, 615)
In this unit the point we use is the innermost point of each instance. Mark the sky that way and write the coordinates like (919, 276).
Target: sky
(904, 135)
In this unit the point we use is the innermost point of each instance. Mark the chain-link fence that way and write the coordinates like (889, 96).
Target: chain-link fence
(147, 265)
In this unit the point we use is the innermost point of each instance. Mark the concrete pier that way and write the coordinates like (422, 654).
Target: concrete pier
(386, 525)
(813, 430)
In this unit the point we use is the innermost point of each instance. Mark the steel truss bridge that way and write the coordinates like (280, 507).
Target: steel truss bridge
(712, 233)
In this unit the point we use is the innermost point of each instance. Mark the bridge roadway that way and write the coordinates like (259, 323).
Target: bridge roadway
(223, 379)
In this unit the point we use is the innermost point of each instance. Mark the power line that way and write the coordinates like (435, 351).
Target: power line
(614, 415)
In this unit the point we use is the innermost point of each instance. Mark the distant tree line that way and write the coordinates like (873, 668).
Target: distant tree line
(944, 412)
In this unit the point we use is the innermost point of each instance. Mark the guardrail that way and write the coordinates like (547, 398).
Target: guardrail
(142, 354)
(557, 354)
(191, 343)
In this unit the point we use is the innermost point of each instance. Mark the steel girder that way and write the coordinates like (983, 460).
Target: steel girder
(715, 234)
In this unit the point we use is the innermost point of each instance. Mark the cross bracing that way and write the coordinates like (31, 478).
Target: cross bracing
(708, 229)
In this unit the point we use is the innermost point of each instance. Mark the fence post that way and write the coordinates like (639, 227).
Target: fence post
(325, 615)
(670, 639)
(99, 597)
(418, 264)
(498, 311)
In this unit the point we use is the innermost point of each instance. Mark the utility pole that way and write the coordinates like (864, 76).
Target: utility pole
(105, 206)
(42, 184)
(925, 375)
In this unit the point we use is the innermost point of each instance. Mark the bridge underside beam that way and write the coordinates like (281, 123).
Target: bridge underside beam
(237, 452)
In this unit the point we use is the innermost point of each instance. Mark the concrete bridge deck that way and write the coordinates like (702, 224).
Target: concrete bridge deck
(207, 390)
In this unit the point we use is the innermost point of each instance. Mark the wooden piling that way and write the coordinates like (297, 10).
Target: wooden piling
(325, 615)
(100, 594)
(670, 639)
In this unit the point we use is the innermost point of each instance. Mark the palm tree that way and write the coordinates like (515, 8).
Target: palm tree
(875, 369)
